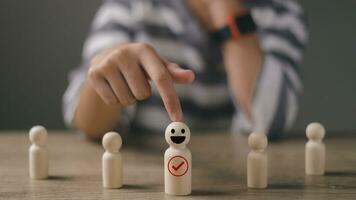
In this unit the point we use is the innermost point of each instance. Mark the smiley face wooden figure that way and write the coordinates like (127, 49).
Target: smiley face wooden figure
(177, 160)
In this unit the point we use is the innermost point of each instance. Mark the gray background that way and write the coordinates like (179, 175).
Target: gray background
(41, 40)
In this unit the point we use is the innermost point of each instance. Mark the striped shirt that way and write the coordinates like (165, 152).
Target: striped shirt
(170, 27)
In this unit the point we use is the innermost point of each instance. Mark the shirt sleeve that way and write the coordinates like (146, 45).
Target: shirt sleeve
(283, 36)
(113, 24)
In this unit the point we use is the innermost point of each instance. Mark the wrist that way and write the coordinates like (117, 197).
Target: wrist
(220, 10)
(237, 27)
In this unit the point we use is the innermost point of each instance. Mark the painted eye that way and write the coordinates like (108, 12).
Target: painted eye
(183, 131)
(173, 131)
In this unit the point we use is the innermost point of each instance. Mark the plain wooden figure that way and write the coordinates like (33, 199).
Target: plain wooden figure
(315, 149)
(38, 155)
(177, 160)
(112, 161)
(257, 161)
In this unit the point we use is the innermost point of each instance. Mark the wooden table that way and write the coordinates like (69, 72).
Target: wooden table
(219, 169)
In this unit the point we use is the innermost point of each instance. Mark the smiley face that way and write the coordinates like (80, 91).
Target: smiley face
(177, 134)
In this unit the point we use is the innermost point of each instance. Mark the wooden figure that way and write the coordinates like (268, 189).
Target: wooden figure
(257, 161)
(315, 150)
(38, 155)
(112, 161)
(177, 160)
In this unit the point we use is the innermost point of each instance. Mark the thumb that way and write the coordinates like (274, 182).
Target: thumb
(180, 75)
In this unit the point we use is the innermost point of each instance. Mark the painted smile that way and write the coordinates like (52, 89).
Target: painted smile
(177, 139)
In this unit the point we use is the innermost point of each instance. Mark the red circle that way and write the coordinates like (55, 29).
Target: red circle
(185, 160)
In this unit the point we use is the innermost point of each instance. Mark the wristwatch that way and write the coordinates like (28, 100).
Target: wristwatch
(237, 26)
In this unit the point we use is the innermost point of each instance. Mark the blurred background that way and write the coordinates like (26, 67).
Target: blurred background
(41, 41)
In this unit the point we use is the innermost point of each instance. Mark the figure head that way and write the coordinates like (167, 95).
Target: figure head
(112, 142)
(257, 141)
(38, 135)
(315, 131)
(177, 134)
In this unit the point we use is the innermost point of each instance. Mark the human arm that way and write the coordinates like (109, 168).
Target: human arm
(242, 57)
(282, 37)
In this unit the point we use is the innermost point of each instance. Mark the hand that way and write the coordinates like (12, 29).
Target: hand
(120, 75)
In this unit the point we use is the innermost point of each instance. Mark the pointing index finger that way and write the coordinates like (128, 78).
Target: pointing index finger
(159, 74)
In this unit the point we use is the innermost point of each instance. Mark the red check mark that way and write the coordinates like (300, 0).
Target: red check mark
(179, 166)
